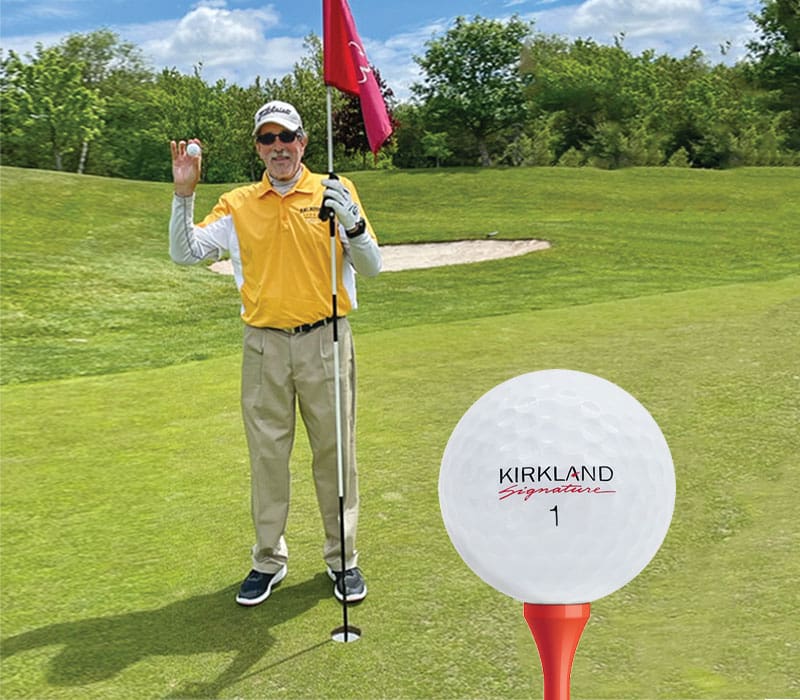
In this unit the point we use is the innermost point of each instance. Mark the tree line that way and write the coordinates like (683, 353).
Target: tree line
(491, 92)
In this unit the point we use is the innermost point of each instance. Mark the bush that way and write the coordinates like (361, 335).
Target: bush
(573, 158)
(680, 159)
(526, 151)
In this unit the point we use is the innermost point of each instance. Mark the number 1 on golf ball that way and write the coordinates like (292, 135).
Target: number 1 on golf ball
(557, 487)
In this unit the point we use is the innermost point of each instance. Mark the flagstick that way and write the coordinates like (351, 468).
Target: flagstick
(345, 633)
(330, 130)
(338, 400)
(343, 60)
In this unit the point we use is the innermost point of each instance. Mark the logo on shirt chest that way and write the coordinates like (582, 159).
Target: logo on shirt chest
(310, 214)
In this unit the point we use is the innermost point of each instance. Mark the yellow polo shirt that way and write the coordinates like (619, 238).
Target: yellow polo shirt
(284, 251)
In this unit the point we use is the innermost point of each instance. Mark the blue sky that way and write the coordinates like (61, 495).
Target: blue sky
(239, 39)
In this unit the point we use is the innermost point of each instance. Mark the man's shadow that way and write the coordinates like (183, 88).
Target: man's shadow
(100, 648)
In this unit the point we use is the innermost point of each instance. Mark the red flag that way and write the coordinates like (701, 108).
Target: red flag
(346, 67)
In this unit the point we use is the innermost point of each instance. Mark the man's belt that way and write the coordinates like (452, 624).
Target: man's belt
(306, 327)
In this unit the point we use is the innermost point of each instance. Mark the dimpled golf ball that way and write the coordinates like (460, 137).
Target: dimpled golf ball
(193, 150)
(557, 487)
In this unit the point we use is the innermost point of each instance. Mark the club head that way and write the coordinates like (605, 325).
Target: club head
(346, 634)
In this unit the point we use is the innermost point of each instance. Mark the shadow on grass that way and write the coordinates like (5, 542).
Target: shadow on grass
(98, 649)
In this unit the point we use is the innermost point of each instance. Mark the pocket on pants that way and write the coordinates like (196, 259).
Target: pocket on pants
(325, 337)
(252, 357)
(345, 343)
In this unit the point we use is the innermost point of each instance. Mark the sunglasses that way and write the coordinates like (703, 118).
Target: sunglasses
(284, 136)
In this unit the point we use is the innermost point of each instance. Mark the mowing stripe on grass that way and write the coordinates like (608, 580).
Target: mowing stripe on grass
(131, 492)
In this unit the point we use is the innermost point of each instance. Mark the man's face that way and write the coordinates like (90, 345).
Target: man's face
(282, 159)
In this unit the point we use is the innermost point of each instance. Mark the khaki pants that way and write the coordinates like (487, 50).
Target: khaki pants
(279, 372)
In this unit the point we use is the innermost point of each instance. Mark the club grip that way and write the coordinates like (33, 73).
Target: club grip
(326, 213)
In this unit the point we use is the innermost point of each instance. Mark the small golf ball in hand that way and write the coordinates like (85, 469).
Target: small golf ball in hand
(193, 150)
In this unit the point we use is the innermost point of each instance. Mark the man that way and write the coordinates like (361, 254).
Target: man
(280, 251)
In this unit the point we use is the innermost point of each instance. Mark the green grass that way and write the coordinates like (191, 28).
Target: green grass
(93, 291)
(125, 526)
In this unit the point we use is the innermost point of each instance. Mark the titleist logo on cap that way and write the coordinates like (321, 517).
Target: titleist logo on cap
(273, 109)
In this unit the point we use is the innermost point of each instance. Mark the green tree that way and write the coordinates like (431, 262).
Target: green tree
(533, 145)
(435, 147)
(47, 109)
(708, 109)
(119, 73)
(471, 78)
(411, 124)
(618, 109)
(219, 115)
(600, 93)
(776, 52)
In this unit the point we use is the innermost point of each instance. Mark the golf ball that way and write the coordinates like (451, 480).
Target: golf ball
(557, 487)
(193, 150)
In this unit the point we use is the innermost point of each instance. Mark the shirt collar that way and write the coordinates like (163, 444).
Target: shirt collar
(305, 184)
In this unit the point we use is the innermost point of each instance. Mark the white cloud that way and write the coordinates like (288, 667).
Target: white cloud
(21, 13)
(637, 18)
(232, 44)
(15, 11)
(27, 44)
(666, 26)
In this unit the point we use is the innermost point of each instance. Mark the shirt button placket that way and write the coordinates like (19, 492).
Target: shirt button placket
(284, 214)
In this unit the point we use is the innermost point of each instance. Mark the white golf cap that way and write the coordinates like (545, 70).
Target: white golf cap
(277, 112)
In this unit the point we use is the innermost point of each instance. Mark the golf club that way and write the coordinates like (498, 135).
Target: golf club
(345, 633)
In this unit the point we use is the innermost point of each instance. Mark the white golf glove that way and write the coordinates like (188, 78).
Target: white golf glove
(338, 198)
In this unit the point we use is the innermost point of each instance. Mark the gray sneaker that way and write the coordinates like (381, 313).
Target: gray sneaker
(353, 583)
(257, 586)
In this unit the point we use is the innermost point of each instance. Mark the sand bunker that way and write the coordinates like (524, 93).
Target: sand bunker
(424, 255)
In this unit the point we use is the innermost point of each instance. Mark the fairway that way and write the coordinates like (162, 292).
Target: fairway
(125, 495)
